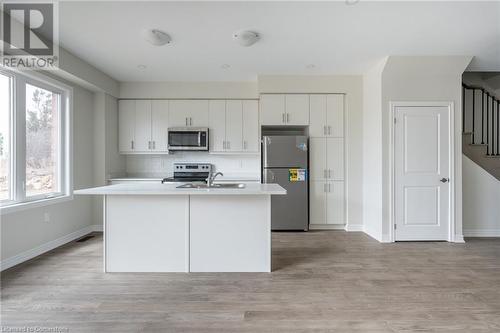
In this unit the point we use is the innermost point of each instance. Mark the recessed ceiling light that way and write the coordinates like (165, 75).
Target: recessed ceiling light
(157, 37)
(245, 37)
(351, 2)
(141, 66)
(311, 66)
(225, 66)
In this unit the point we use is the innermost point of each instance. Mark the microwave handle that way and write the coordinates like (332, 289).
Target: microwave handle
(199, 138)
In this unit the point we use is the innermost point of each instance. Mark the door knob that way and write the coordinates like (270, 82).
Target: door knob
(444, 180)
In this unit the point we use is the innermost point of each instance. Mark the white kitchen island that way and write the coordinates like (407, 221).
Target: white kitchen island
(162, 228)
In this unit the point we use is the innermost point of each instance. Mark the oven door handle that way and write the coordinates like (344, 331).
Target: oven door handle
(199, 139)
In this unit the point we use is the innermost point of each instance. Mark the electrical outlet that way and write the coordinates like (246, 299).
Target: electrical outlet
(46, 217)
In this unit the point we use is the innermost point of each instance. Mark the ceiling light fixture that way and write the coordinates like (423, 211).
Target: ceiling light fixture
(351, 2)
(311, 66)
(246, 37)
(157, 37)
(225, 66)
(142, 67)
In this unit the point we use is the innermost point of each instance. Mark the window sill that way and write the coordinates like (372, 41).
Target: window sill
(34, 204)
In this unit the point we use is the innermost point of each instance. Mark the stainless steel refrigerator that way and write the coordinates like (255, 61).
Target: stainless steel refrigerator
(285, 162)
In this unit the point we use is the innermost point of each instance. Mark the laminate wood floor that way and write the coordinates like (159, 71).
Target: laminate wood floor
(323, 281)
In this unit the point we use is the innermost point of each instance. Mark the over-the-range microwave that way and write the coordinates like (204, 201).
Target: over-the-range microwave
(188, 138)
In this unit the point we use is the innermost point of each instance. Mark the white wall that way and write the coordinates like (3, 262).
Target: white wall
(222, 90)
(372, 151)
(422, 79)
(25, 230)
(481, 201)
(352, 86)
(233, 166)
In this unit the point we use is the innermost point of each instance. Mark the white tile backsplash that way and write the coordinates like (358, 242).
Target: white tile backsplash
(161, 165)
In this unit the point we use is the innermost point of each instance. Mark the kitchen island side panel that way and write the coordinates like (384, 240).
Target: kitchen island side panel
(147, 233)
(230, 233)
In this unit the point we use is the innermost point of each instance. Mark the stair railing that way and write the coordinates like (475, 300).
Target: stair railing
(488, 130)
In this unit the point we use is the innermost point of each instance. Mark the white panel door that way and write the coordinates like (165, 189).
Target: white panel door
(317, 202)
(335, 158)
(198, 113)
(217, 125)
(272, 110)
(421, 163)
(335, 115)
(317, 116)
(159, 125)
(251, 140)
(179, 113)
(142, 125)
(126, 125)
(335, 203)
(234, 125)
(317, 158)
(297, 109)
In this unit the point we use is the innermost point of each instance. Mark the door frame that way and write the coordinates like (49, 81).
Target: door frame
(451, 155)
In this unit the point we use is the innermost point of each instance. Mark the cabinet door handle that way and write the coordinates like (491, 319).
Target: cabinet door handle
(329, 187)
(190, 121)
(154, 144)
(329, 173)
(229, 145)
(149, 144)
(131, 144)
(223, 144)
(287, 118)
(324, 130)
(324, 188)
(325, 174)
(283, 118)
(329, 130)
(244, 145)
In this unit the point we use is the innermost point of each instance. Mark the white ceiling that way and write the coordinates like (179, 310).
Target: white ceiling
(335, 37)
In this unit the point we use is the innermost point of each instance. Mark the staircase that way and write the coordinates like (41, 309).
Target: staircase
(481, 128)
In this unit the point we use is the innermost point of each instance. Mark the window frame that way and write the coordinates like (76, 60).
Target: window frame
(18, 142)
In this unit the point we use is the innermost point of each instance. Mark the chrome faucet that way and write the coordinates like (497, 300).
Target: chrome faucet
(211, 178)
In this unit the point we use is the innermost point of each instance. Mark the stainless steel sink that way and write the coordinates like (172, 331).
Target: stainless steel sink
(213, 186)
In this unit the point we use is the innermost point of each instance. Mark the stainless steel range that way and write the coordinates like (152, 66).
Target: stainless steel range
(190, 172)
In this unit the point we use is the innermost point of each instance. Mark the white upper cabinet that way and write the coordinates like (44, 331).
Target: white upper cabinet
(159, 126)
(326, 115)
(272, 109)
(188, 113)
(250, 115)
(297, 109)
(335, 115)
(217, 125)
(126, 125)
(284, 109)
(317, 116)
(142, 126)
(234, 125)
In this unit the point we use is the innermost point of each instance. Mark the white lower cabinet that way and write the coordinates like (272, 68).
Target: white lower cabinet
(327, 202)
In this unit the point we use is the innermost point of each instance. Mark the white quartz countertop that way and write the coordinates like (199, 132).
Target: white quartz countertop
(170, 189)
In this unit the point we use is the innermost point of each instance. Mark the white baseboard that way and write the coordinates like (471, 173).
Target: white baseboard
(354, 227)
(326, 227)
(481, 232)
(30, 254)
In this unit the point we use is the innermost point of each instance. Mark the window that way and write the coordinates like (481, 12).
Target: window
(5, 138)
(34, 140)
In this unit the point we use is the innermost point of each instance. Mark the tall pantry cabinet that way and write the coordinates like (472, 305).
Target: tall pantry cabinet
(326, 159)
